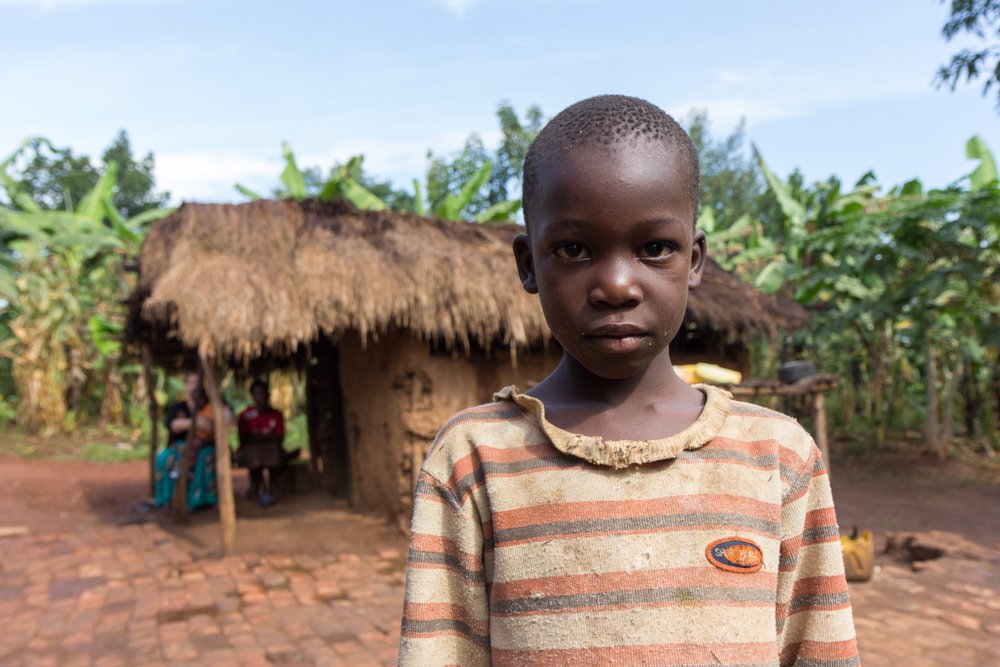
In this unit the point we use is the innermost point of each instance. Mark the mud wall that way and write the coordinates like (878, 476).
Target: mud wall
(397, 394)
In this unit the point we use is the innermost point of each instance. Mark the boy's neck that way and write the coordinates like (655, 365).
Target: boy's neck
(572, 384)
(651, 405)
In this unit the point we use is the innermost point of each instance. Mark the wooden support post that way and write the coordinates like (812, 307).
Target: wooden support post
(149, 376)
(223, 469)
(819, 426)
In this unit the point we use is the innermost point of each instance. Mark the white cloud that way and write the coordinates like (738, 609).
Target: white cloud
(210, 175)
(725, 113)
(767, 92)
(58, 4)
(397, 160)
(459, 7)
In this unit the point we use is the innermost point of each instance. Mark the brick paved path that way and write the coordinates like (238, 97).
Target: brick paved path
(137, 595)
(946, 615)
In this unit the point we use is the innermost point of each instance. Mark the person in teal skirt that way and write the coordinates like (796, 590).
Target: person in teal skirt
(201, 490)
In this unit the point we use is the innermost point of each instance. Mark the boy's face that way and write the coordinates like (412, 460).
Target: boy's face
(612, 253)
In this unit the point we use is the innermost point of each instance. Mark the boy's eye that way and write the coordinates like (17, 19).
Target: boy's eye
(656, 249)
(571, 251)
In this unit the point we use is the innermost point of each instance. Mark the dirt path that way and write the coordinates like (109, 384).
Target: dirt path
(58, 496)
(97, 581)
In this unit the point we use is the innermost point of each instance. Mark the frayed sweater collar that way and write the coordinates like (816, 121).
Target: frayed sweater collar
(623, 453)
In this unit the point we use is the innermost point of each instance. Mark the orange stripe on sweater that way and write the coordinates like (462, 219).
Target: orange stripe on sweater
(821, 585)
(615, 509)
(576, 584)
(438, 611)
(441, 545)
(515, 454)
(658, 654)
(825, 516)
(766, 447)
(617, 532)
(812, 650)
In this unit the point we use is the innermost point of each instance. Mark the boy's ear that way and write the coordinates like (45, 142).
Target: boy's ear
(699, 251)
(525, 263)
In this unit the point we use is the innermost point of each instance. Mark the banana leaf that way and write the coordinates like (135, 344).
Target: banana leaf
(120, 225)
(452, 206)
(500, 212)
(92, 204)
(105, 335)
(985, 175)
(15, 225)
(419, 207)
(291, 175)
(144, 219)
(247, 192)
(792, 209)
(360, 196)
(8, 284)
(24, 202)
(773, 276)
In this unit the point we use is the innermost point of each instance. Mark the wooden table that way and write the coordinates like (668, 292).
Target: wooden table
(815, 386)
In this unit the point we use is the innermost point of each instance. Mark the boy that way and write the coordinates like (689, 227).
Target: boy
(614, 514)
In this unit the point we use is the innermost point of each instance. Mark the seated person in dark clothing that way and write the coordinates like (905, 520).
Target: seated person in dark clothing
(262, 430)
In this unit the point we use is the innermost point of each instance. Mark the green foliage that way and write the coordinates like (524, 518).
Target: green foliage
(43, 176)
(476, 183)
(731, 183)
(984, 176)
(344, 182)
(448, 177)
(980, 18)
(135, 187)
(63, 287)
(903, 287)
(508, 159)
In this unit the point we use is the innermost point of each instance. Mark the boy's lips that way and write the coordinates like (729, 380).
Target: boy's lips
(617, 338)
(616, 330)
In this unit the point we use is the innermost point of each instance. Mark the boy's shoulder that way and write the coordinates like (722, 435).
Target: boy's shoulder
(754, 423)
(499, 424)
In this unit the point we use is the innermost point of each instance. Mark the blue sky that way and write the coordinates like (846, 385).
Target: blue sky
(213, 87)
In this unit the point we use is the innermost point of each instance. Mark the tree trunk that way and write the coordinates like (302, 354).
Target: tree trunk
(149, 376)
(931, 426)
(223, 469)
(948, 410)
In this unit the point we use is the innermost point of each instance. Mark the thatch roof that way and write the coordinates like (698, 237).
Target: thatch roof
(266, 277)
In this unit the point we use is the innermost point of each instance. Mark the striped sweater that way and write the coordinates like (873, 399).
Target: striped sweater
(531, 545)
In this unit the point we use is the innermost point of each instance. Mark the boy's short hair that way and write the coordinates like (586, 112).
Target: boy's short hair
(607, 120)
(258, 383)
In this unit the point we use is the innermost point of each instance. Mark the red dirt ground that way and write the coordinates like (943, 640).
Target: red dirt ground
(947, 614)
(888, 493)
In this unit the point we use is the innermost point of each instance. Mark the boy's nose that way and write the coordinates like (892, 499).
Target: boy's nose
(616, 285)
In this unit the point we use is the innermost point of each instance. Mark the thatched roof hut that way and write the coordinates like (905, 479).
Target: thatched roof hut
(273, 275)
(399, 321)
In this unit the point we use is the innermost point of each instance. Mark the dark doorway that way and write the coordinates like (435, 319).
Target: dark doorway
(325, 410)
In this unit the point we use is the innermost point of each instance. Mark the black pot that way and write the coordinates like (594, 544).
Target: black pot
(791, 372)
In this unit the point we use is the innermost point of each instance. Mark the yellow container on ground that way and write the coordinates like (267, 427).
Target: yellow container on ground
(709, 373)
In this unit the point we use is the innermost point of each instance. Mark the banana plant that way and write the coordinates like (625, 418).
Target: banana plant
(984, 176)
(62, 282)
(803, 217)
(344, 183)
(454, 205)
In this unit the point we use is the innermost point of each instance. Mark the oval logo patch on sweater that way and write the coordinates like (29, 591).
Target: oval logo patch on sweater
(735, 554)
